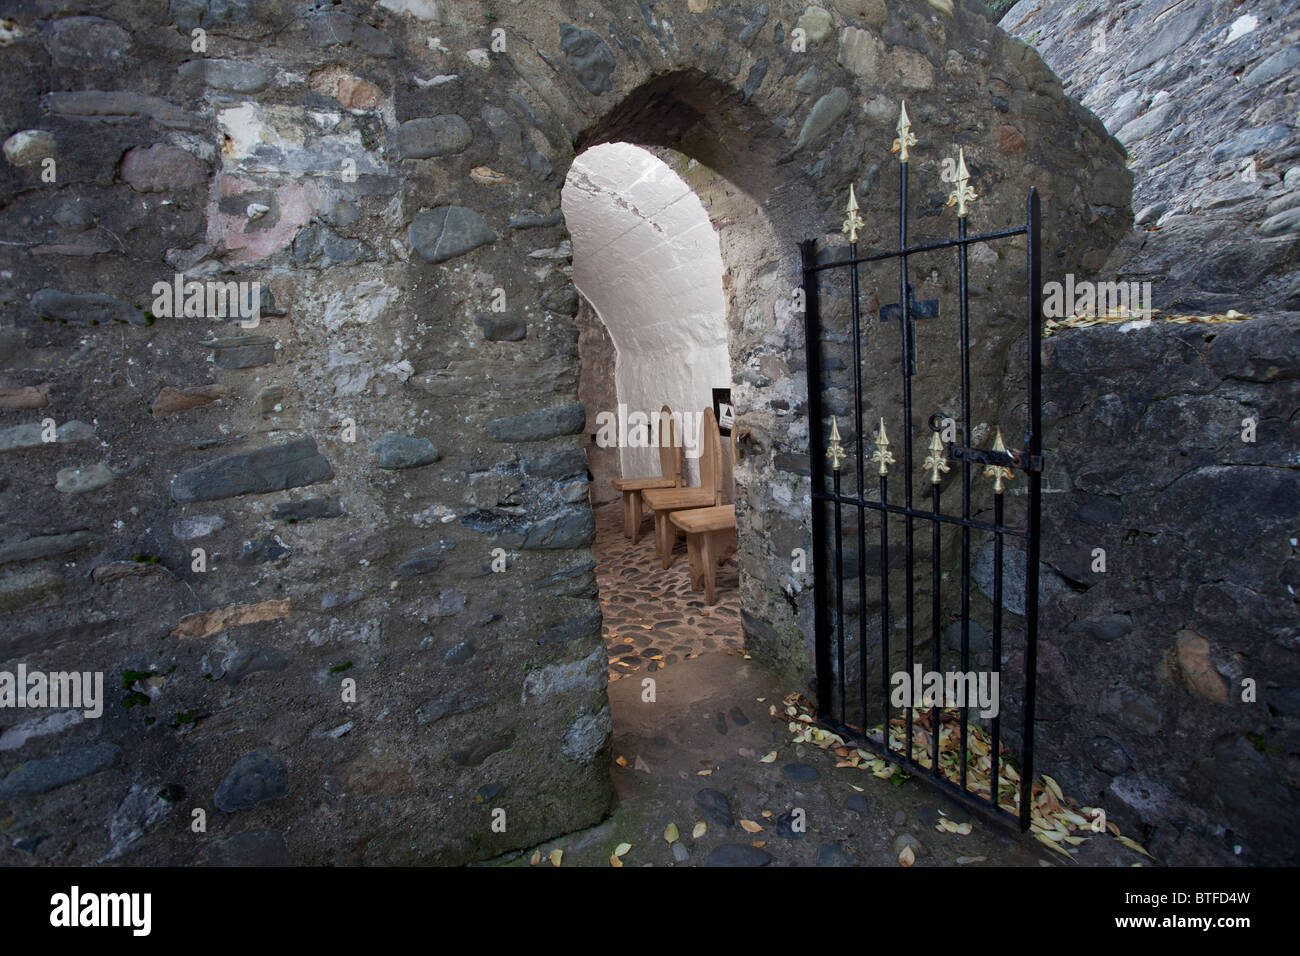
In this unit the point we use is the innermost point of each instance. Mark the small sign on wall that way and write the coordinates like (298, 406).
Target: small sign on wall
(723, 410)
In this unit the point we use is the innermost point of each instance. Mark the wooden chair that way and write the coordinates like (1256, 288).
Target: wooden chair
(666, 501)
(709, 533)
(670, 475)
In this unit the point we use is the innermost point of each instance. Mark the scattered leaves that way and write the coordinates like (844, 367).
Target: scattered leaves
(1055, 820)
(1120, 315)
(948, 826)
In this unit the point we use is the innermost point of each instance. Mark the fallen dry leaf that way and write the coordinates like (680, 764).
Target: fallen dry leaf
(749, 826)
(770, 758)
(536, 858)
(621, 761)
(207, 623)
(907, 857)
(614, 860)
(670, 834)
(701, 828)
(555, 857)
(622, 848)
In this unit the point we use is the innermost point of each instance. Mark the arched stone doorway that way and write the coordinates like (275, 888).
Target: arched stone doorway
(387, 171)
(652, 332)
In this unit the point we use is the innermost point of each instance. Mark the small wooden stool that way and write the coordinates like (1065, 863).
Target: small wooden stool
(670, 469)
(669, 500)
(632, 488)
(707, 531)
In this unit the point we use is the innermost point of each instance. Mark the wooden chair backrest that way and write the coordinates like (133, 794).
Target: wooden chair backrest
(670, 447)
(711, 455)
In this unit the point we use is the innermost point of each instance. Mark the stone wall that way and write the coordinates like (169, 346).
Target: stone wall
(284, 544)
(1204, 95)
(1144, 705)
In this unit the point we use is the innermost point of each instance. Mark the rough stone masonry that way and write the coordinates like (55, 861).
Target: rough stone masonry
(278, 538)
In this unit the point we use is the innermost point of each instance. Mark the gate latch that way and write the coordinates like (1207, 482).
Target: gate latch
(1017, 458)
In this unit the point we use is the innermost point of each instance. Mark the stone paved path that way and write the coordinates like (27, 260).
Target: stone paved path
(652, 617)
(693, 754)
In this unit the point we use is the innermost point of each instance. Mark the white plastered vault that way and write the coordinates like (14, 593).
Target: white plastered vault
(646, 257)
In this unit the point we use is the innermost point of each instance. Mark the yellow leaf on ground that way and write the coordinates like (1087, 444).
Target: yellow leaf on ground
(536, 858)
(701, 828)
(703, 773)
(621, 761)
(556, 856)
(622, 848)
(1133, 845)
(670, 834)
(759, 844)
(907, 857)
(749, 826)
(1048, 843)
(770, 758)
(614, 860)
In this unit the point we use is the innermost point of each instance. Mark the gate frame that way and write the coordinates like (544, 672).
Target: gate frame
(998, 462)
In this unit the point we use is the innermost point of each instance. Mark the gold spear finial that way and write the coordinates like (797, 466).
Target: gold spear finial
(936, 461)
(882, 455)
(854, 222)
(835, 452)
(964, 192)
(999, 472)
(905, 137)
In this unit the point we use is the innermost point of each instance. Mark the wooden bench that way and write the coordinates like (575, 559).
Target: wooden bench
(670, 475)
(708, 532)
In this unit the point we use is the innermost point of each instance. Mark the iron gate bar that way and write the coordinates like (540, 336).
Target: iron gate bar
(929, 247)
(898, 510)
(909, 367)
(1034, 443)
(854, 221)
(816, 463)
(964, 332)
(999, 464)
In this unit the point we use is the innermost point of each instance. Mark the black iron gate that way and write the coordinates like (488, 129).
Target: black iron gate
(937, 740)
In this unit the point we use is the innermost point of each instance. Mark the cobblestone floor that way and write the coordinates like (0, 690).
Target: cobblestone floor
(652, 617)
